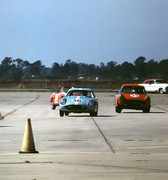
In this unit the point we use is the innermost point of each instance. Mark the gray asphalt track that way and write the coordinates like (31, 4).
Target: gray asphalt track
(130, 145)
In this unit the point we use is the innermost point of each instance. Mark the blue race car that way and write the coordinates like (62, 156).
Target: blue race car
(79, 100)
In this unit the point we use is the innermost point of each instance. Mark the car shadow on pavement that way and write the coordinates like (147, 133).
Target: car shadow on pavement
(143, 113)
(106, 116)
(92, 116)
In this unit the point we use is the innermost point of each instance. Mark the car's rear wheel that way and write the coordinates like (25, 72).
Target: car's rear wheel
(93, 113)
(53, 106)
(118, 109)
(61, 113)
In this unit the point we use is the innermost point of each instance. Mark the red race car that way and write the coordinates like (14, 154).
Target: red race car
(132, 96)
(55, 97)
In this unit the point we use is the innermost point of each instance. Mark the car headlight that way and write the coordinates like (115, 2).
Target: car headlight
(90, 103)
(63, 101)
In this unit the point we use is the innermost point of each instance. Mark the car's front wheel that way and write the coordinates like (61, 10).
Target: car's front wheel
(118, 109)
(95, 112)
(66, 113)
(53, 106)
(61, 113)
(146, 110)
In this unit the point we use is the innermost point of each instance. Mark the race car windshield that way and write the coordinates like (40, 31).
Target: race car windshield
(133, 89)
(81, 93)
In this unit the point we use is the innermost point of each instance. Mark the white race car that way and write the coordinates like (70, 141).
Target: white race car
(155, 85)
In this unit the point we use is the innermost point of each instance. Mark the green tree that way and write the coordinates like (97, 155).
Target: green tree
(6, 66)
(163, 68)
(152, 69)
(18, 63)
(140, 67)
(127, 70)
(110, 72)
(36, 68)
(56, 71)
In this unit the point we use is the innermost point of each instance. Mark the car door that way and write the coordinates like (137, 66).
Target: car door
(150, 86)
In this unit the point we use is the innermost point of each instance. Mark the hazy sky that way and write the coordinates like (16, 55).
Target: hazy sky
(88, 31)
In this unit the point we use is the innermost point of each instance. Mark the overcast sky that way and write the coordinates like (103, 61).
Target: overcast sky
(87, 31)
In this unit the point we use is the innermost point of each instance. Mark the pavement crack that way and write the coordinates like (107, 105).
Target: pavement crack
(101, 132)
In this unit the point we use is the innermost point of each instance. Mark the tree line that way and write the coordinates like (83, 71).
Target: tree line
(140, 69)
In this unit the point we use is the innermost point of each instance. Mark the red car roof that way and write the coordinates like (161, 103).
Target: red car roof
(132, 85)
(151, 80)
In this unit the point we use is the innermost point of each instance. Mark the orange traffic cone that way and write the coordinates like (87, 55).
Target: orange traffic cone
(28, 140)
